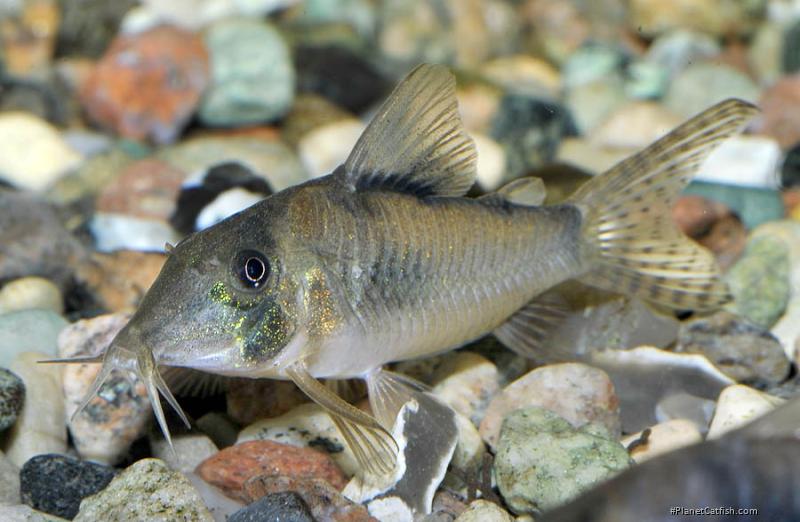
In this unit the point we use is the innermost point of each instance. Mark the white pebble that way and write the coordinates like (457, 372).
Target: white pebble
(663, 438)
(40, 427)
(226, 204)
(28, 293)
(746, 161)
(738, 405)
(326, 147)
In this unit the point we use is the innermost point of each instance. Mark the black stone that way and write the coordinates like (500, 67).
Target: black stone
(12, 397)
(790, 170)
(219, 178)
(56, 484)
(340, 75)
(88, 26)
(530, 130)
(286, 507)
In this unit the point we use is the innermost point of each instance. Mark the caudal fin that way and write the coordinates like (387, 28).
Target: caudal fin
(631, 242)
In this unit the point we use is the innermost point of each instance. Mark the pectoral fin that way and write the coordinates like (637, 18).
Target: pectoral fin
(416, 142)
(373, 446)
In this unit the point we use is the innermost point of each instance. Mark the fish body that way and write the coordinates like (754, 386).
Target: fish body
(385, 260)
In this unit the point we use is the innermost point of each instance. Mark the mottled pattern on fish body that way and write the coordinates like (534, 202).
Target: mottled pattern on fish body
(414, 276)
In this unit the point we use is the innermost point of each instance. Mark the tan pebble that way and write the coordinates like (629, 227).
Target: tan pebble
(27, 293)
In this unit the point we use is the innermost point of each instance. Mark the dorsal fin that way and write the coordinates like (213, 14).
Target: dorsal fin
(416, 142)
(528, 191)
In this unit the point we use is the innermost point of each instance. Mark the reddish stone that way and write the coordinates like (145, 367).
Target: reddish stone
(713, 225)
(120, 280)
(695, 214)
(324, 501)
(232, 467)
(791, 201)
(148, 85)
(147, 188)
(780, 105)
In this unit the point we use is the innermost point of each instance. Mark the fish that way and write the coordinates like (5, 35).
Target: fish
(751, 473)
(386, 259)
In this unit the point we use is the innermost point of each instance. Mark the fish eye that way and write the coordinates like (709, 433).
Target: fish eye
(252, 268)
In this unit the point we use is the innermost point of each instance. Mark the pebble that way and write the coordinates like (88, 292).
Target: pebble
(529, 131)
(146, 188)
(791, 56)
(745, 161)
(9, 482)
(677, 49)
(287, 506)
(701, 85)
(34, 241)
(390, 509)
(225, 205)
(780, 106)
(307, 425)
(466, 382)
(662, 438)
(759, 280)
(118, 414)
(639, 379)
(715, 17)
(195, 14)
(249, 400)
(232, 467)
(33, 154)
(146, 490)
(484, 511)
(754, 206)
(219, 427)
(646, 80)
(114, 232)
(90, 178)
(682, 405)
(591, 103)
(218, 503)
(524, 74)
(765, 54)
(587, 156)
(470, 448)
(23, 513)
(273, 161)
(246, 87)
(738, 405)
(29, 331)
(29, 293)
(119, 280)
(87, 26)
(634, 126)
(542, 461)
(743, 351)
(790, 169)
(12, 397)
(589, 64)
(56, 484)
(323, 500)
(491, 165)
(40, 426)
(325, 148)
(577, 392)
(714, 226)
(147, 86)
(189, 450)
(340, 74)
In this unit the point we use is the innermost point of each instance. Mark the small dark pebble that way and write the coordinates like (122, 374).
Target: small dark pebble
(219, 178)
(340, 75)
(286, 507)
(790, 171)
(56, 484)
(791, 48)
(12, 397)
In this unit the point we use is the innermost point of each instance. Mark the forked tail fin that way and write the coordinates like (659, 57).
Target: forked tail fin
(630, 241)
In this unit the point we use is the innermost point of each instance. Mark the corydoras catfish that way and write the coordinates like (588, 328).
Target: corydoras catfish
(385, 259)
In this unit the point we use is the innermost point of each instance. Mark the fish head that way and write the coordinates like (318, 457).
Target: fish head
(224, 301)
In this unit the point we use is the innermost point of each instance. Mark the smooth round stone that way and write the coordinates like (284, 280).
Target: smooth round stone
(29, 331)
(592, 102)
(247, 87)
(577, 392)
(189, 450)
(791, 48)
(675, 50)
(646, 80)
(87, 26)
(12, 397)
(780, 106)
(759, 281)
(491, 162)
(701, 85)
(663, 438)
(737, 406)
(634, 126)
(225, 205)
(56, 484)
(113, 232)
(745, 161)
(467, 382)
(33, 155)
(147, 490)
(40, 427)
(716, 17)
(765, 54)
(542, 461)
(30, 293)
(524, 74)
(589, 64)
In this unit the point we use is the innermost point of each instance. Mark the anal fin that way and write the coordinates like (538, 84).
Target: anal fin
(528, 330)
